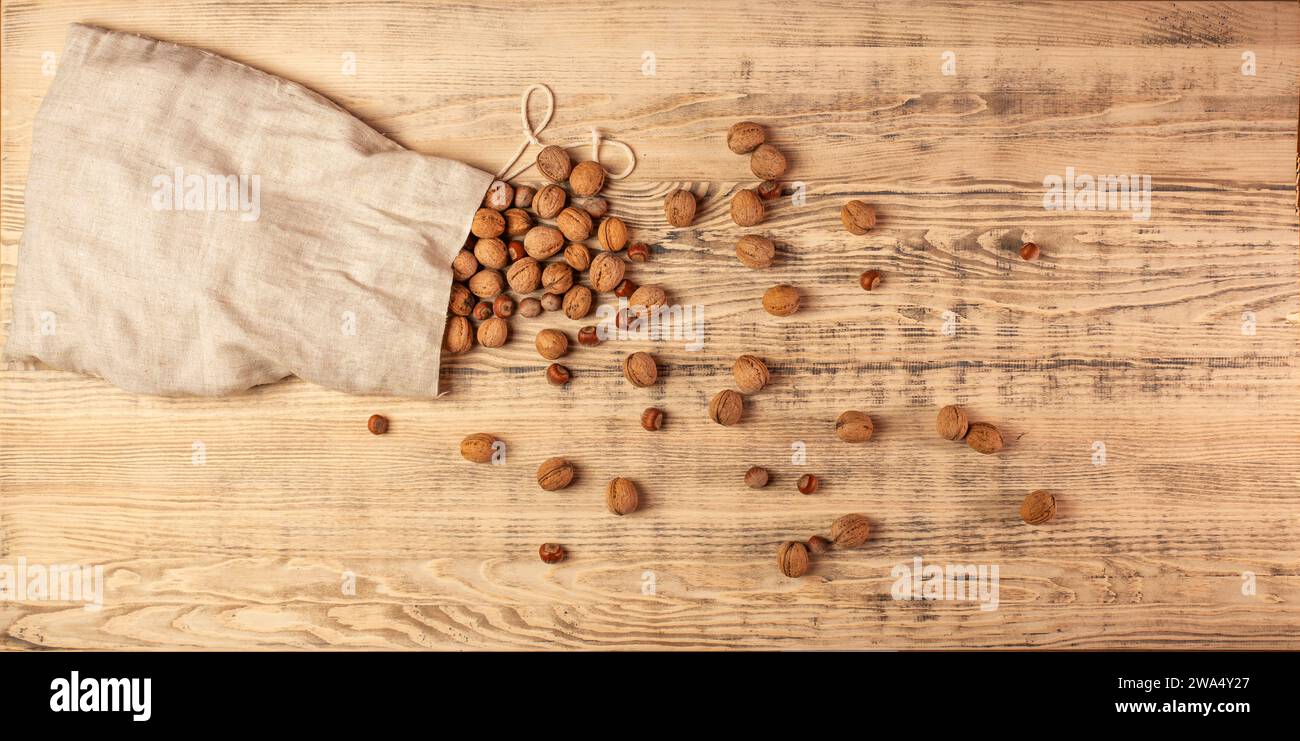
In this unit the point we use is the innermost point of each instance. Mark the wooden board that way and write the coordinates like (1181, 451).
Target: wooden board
(1127, 335)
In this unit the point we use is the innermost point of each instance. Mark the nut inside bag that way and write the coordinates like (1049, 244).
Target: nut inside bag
(198, 227)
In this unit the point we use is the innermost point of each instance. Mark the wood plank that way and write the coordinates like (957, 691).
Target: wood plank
(1128, 333)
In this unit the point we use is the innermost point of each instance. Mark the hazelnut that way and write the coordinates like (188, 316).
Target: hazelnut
(640, 370)
(486, 283)
(557, 375)
(518, 222)
(756, 477)
(679, 208)
(524, 196)
(952, 422)
(984, 438)
(1029, 251)
(459, 336)
(750, 373)
(557, 278)
(597, 207)
(530, 307)
(767, 162)
(782, 300)
(577, 302)
(726, 407)
(491, 253)
(524, 275)
(554, 163)
(493, 332)
(503, 306)
(464, 265)
(807, 483)
(854, 427)
(858, 217)
(515, 251)
(587, 178)
(638, 252)
(612, 234)
(552, 301)
(746, 208)
(543, 241)
(377, 424)
(755, 252)
(499, 195)
(850, 531)
(478, 448)
(625, 288)
(551, 552)
(648, 296)
(549, 201)
(869, 280)
(792, 558)
(621, 496)
(482, 310)
(817, 545)
(1038, 507)
(552, 344)
(461, 301)
(744, 137)
(487, 223)
(606, 271)
(768, 190)
(652, 419)
(554, 474)
(577, 256)
(588, 336)
(574, 223)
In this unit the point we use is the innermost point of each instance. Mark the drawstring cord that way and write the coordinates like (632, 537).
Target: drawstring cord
(530, 137)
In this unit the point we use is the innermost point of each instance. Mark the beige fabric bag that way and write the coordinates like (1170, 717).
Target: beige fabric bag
(195, 226)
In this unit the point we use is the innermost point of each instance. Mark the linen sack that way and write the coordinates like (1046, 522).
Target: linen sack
(197, 227)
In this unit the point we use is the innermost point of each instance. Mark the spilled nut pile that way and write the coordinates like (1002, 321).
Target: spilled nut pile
(524, 241)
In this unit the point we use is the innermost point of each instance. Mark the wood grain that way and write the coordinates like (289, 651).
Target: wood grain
(1128, 333)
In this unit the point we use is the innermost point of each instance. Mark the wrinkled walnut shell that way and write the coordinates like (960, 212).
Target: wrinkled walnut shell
(792, 559)
(554, 164)
(726, 407)
(606, 271)
(751, 374)
(747, 208)
(858, 217)
(952, 422)
(574, 223)
(551, 344)
(745, 136)
(851, 531)
(549, 201)
(458, 337)
(621, 496)
(854, 427)
(755, 252)
(478, 448)
(767, 162)
(577, 302)
(487, 283)
(612, 234)
(640, 369)
(524, 275)
(554, 474)
(543, 241)
(493, 332)
(782, 300)
(984, 438)
(1038, 507)
(679, 208)
(587, 178)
